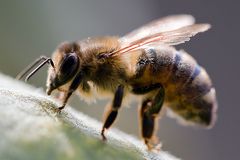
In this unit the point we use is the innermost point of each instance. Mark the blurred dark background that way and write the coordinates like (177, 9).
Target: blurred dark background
(29, 29)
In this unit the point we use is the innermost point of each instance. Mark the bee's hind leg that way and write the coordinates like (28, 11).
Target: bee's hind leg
(112, 110)
(148, 117)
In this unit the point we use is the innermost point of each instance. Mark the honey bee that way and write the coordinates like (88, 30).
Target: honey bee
(142, 63)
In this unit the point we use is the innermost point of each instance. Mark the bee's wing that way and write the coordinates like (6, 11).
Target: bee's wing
(173, 37)
(168, 23)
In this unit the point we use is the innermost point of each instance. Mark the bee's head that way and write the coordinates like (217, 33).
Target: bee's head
(66, 65)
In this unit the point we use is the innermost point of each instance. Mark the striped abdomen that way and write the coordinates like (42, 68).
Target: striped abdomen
(189, 91)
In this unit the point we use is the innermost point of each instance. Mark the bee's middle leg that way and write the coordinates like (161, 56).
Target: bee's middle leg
(112, 110)
(148, 115)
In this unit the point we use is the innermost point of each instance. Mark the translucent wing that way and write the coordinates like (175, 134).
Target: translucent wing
(168, 23)
(173, 37)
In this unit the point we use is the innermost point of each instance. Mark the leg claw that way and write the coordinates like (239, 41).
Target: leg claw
(103, 136)
(58, 110)
(153, 147)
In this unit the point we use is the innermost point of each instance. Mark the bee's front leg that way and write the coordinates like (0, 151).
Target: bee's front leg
(75, 83)
(112, 111)
(65, 97)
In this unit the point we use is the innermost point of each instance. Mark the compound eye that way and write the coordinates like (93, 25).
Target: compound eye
(68, 63)
(68, 67)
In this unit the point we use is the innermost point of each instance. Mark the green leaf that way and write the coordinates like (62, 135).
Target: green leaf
(30, 128)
